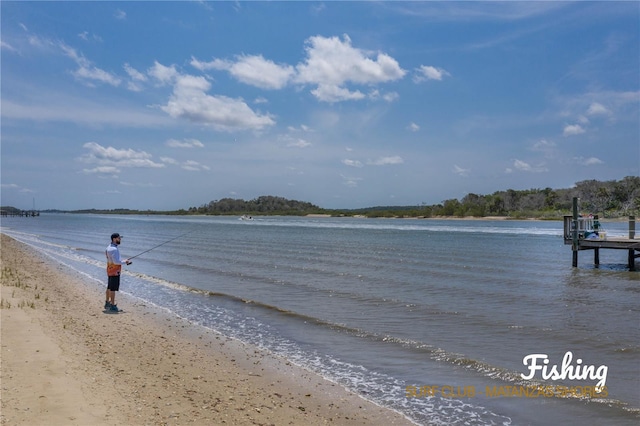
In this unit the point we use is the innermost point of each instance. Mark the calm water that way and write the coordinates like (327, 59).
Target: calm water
(380, 305)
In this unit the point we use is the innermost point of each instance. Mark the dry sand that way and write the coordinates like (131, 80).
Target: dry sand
(67, 362)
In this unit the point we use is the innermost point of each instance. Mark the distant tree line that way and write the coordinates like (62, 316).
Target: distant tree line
(10, 210)
(609, 199)
(264, 205)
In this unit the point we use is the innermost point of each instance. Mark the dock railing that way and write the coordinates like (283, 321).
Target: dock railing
(584, 226)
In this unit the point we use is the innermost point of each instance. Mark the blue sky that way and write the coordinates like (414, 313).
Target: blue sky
(168, 105)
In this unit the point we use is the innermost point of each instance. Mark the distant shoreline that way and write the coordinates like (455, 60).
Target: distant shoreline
(356, 216)
(359, 216)
(457, 218)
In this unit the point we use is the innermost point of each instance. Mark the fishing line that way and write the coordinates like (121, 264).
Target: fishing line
(161, 244)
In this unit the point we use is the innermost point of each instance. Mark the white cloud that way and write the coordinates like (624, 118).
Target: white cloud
(391, 96)
(186, 143)
(168, 160)
(300, 143)
(190, 101)
(316, 9)
(480, 11)
(189, 165)
(93, 73)
(429, 73)
(13, 186)
(600, 104)
(385, 161)
(331, 63)
(254, 70)
(134, 74)
(6, 46)
(572, 130)
(548, 148)
(413, 127)
(303, 128)
(460, 171)
(526, 167)
(163, 74)
(134, 87)
(521, 165)
(387, 97)
(597, 109)
(351, 182)
(333, 93)
(591, 161)
(88, 37)
(351, 163)
(543, 145)
(120, 15)
(103, 170)
(86, 71)
(111, 160)
(86, 111)
(194, 166)
(216, 64)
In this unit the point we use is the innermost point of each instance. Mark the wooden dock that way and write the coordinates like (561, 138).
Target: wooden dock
(585, 233)
(21, 213)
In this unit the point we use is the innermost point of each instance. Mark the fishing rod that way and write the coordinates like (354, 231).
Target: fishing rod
(161, 244)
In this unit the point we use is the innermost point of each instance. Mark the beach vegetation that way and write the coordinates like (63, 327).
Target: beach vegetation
(26, 304)
(10, 278)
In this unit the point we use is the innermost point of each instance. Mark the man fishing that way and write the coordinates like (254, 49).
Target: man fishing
(114, 267)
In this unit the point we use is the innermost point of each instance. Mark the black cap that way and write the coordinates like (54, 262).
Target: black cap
(115, 235)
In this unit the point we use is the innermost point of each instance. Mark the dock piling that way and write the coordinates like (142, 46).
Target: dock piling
(632, 235)
(574, 233)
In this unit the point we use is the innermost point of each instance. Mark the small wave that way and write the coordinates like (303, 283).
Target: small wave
(630, 350)
(398, 225)
(434, 353)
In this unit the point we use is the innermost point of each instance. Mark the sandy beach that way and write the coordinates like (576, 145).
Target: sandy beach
(65, 361)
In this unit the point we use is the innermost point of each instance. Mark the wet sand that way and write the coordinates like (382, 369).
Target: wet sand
(65, 361)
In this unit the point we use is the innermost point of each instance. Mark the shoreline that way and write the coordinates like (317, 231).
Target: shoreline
(66, 362)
